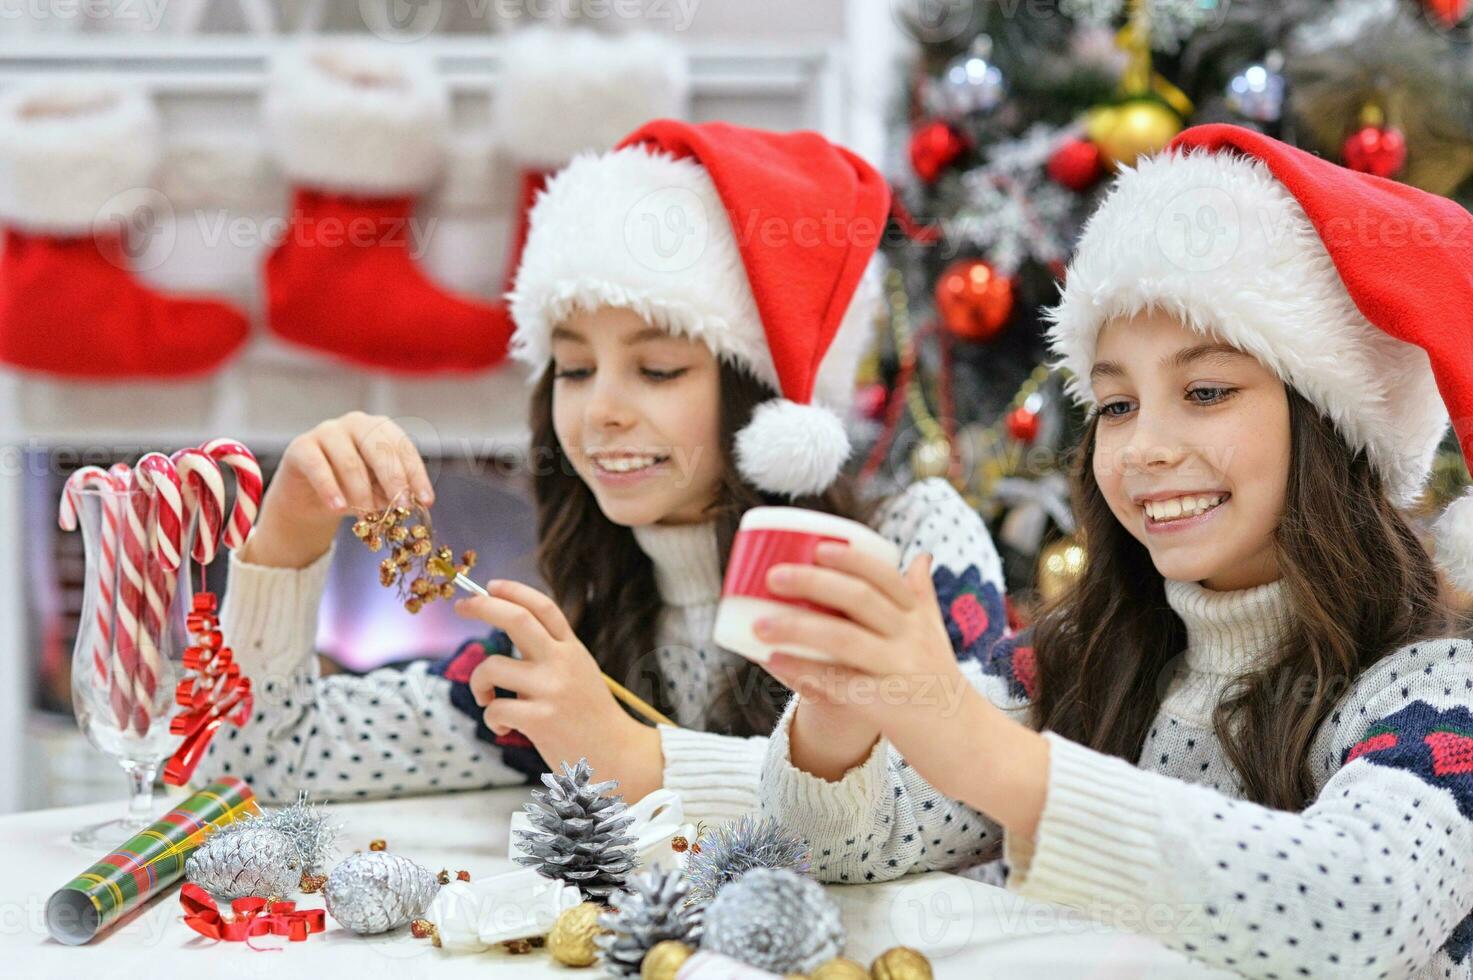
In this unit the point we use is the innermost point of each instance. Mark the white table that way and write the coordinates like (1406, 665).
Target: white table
(969, 929)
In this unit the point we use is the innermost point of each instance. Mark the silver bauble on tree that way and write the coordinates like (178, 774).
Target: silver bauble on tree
(1257, 92)
(375, 891)
(248, 858)
(579, 832)
(738, 846)
(776, 921)
(652, 907)
(971, 85)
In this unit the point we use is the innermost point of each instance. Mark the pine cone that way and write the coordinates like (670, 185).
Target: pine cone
(579, 832)
(776, 921)
(375, 891)
(738, 846)
(244, 859)
(654, 907)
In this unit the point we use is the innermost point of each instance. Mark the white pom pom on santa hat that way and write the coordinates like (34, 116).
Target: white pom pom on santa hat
(1453, 535)
(792, 449)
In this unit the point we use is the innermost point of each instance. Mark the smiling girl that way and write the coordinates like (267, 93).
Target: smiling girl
(1246, 730)
(694, 307)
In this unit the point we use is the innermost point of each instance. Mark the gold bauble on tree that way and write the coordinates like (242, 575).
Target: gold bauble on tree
(931, 457)
(901, 963)
(664, 960)
(1059, 566)
(1128, 130)
(840, 968)
(571, 941)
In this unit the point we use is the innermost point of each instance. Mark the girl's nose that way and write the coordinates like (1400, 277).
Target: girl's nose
(607, 408)
(1153, 444)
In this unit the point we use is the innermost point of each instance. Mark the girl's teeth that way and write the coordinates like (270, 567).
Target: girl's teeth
(627, 464)
(1177, 507)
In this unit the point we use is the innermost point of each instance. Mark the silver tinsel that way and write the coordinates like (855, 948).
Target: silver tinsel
(310, 829)
(579, 832)
(652, 908)
(375, 891)
(244, 859)
(776, 921)
(1010, 210)
(1172, 21)
(738, 846)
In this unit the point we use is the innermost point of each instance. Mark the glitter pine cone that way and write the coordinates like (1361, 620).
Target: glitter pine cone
(579, 833)
(652, 908)
(375, 891)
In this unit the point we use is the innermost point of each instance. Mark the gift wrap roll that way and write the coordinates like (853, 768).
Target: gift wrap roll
(145, 864)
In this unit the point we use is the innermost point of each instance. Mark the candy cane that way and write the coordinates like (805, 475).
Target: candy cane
(248, 486)
(156, 524)
(204, 499)
(94, 477)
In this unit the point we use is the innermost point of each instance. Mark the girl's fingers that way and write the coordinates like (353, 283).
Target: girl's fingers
(841, 591)
(829, 683)
(318, 471)
(414, 466)
(348, 467)
(547, 612)
(504, 714)
(507, 673)
(878, 572)
(525, 629)
(849, 644)
(379, 447)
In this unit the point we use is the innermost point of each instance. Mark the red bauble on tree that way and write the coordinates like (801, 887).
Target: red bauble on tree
(934, 147)
(1448, 12)
(973, 299)
(1023, 425)
(1077, 164)
(1379, 150)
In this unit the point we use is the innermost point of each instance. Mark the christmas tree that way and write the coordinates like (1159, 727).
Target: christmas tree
(1011, 119)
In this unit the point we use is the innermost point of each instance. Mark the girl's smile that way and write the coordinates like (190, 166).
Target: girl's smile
(1169, 513)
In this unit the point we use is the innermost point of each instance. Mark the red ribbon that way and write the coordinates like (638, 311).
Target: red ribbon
(214, 695)
(252, 917)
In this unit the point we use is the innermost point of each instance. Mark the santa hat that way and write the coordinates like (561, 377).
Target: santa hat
(1355, 290)
(754, 242)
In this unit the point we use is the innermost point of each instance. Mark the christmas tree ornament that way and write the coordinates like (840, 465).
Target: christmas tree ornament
(654, 907)
(775, 920)
(735, 847)
(931, 458)
(1257, 92)
(934, 147)
(1375, 148)
(81, 219)
(250, 858)
(374, 891)
(871, 400)
(1449, 13)
(1128, 130)
(1077, 164)
(664, 960)
(362, 132)
(1060, 565)
(579, 832)
(901, 963)
(973, 300)
(971, 85)
(572, 941)
(1023, 424)
(840, 968)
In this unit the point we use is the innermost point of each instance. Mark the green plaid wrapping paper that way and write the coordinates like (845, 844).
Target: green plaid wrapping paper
(144, 864)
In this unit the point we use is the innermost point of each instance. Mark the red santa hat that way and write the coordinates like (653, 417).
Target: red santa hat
(1355, 290)
(754, 242)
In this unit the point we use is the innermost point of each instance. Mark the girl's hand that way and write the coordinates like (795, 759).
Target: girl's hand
(562, 705)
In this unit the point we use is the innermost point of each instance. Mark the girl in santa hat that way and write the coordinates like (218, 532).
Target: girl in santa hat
(693, 305)
(1246, 730)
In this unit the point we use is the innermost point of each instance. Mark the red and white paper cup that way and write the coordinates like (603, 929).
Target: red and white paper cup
(769, 536)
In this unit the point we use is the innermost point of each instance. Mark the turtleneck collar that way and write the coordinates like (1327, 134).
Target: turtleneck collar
(1230, 632)
(686, 560)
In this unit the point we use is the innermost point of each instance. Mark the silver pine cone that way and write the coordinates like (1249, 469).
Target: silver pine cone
(375, 891)
(738, 846)
(774, 920)
(578, 832)
(245, 859)
(652, 907)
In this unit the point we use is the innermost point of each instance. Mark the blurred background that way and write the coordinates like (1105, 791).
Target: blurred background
(997, 121)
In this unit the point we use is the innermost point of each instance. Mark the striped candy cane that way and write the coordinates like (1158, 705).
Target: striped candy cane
(156, 526)
(93, 477)
(204, 499)
(248, 487)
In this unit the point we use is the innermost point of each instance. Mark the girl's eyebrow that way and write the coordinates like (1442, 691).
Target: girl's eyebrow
(648, 333)
(1183, 357)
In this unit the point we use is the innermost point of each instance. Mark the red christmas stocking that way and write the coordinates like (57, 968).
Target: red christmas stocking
(78, 159)
(360, 130)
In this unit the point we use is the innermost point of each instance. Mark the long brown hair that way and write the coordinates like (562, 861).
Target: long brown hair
(1359, 582)
(605, 584)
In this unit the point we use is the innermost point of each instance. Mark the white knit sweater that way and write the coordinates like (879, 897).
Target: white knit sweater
(394, 732)
(1373, 879)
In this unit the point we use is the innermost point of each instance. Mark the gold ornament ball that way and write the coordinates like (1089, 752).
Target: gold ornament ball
(901, 963)
(664, 960)
(931, 458)
(840, 968)
(1132, 129)
(1059, 566)
(571, 940)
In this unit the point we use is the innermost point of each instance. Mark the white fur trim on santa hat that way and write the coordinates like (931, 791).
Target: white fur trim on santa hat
(357, 117)
(792, 449)
(560, 92)
(1215, 240)
(637, 229)
(1453, 535)
(74, 152)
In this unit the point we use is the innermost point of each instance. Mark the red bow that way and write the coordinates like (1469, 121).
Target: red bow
(253, 917)
(214, 695)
